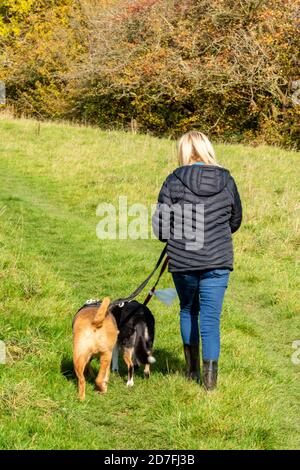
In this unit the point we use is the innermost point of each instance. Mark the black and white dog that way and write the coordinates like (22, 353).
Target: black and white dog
(136, 336)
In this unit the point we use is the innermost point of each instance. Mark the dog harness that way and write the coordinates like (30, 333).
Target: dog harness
(122, 301)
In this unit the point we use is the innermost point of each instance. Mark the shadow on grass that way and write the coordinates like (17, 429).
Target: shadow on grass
(166, 363)
(67, 368)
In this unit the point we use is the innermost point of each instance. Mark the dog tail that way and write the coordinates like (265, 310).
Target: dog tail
(143, 351)
(101, 312)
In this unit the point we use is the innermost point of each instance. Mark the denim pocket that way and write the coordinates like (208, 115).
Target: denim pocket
(219, 272)
(216, 277)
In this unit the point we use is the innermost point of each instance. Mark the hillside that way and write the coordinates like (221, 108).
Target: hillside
(51, 180)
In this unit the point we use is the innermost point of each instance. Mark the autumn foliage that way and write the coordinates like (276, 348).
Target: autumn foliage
(227, 67)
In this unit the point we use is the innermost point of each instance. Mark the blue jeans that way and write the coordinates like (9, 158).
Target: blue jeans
(202, 292)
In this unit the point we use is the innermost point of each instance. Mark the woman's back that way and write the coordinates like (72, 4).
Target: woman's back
(205, 209)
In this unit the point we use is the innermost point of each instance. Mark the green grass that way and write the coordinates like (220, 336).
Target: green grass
(51, 261)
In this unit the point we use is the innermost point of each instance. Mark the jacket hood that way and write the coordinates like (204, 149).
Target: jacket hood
(203, 180)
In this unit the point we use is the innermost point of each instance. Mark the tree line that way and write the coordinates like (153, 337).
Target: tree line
(227, 67)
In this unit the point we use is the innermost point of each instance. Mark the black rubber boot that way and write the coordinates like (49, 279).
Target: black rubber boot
(210, 374)
(191, 354)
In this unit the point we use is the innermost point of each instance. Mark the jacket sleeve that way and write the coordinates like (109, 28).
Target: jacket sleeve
(162, 217)
(236, 207)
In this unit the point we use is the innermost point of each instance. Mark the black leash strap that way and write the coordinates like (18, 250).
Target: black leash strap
(139, 289)
(151, 293)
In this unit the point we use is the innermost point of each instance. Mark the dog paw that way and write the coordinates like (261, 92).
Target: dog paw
(102, 387)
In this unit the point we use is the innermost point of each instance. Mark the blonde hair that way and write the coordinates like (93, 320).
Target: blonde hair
(195, 147)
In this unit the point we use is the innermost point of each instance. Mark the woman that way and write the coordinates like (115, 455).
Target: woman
(198, 209)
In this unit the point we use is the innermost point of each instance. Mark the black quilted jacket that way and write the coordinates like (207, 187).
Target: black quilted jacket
(198, 209)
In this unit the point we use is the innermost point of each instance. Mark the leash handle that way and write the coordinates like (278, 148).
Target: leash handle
(163, 268)
(135, 293)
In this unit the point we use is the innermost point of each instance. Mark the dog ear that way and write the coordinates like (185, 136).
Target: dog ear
(101, 312)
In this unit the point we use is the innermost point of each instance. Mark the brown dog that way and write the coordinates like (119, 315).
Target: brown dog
(94, 332)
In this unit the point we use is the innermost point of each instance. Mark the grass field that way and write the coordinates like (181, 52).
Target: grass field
(51, 261)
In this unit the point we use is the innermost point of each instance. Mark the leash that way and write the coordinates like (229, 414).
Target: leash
(151, 293)
(120, 302)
